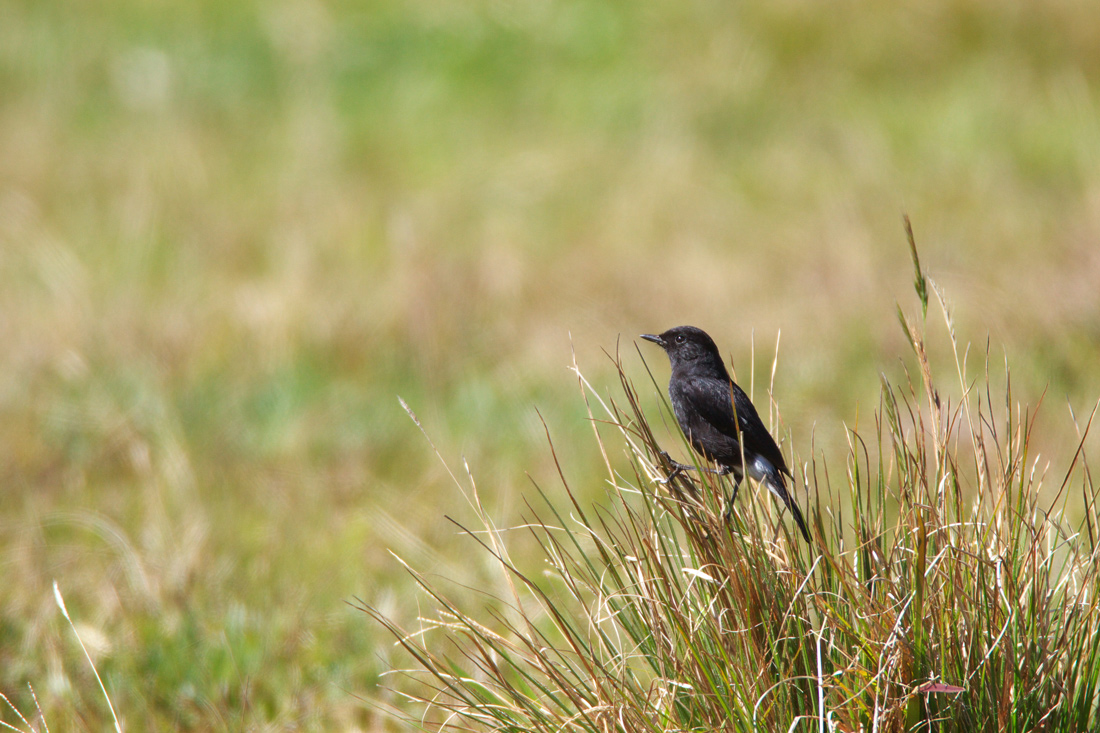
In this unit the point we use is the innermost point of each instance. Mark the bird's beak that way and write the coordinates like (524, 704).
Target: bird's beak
(655, 339)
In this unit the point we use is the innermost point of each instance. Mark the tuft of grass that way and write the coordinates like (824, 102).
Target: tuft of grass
(945, 589)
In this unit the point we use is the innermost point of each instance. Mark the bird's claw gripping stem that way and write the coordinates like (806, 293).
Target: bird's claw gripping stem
(678, 468)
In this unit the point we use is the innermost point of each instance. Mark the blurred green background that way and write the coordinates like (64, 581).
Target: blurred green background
(232, 233)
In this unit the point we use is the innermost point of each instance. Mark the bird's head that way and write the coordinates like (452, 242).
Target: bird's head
(687, 345)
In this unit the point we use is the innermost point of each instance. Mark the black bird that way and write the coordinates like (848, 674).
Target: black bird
(717, 416)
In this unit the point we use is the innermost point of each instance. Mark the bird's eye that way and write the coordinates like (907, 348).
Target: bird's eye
(681, 339)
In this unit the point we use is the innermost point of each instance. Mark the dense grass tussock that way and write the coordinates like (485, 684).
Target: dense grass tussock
(941, 591)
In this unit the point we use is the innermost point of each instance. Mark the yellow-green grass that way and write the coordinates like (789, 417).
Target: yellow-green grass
(942, 588)
(230, 235)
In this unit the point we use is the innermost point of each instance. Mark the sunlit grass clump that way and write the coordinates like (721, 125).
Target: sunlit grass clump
(946, 587)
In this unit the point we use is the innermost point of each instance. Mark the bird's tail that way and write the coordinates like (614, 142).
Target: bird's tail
(776, 485)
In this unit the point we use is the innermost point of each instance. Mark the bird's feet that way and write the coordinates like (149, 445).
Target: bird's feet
(677, 469)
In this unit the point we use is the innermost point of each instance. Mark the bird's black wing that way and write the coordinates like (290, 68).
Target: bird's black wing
(709, 419)
(705, 413)
(755, 436)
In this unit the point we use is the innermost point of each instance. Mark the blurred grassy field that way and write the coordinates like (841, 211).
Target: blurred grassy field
(231, 234)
